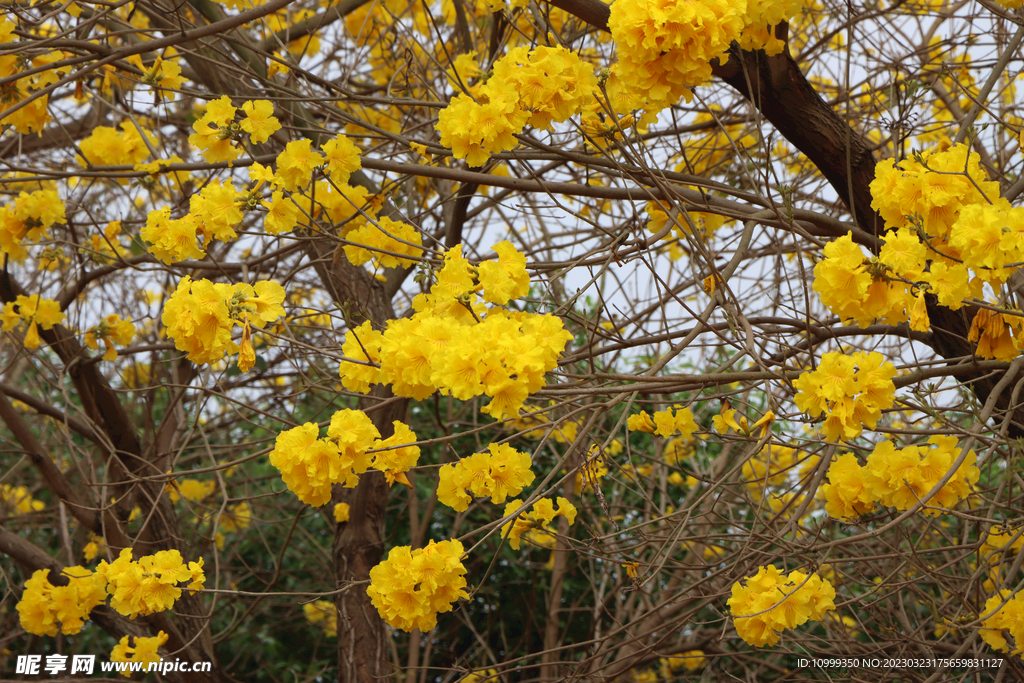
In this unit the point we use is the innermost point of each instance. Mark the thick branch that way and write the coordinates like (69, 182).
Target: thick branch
(359, 543)
(44, 408)
(44, 463)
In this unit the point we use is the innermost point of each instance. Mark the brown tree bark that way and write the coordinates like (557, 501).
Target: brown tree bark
(359, 542)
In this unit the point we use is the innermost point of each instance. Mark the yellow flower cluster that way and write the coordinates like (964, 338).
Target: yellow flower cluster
(190, 489)
(950, 234)
(538, 87)
(216, 129)
(456, 344)
(347, 207)
(200, 315)
(144, 651)
(998, 335)
(553, 84)
(1000, 546)
(411, 587)
(504, 279)
(930, 189)
(691, 660)
(760, 18)
(294, 174)
(899, 478)
(18, 500)
(853, 287)
(396, 454)
(45, 609)
(234, 518)
(1002, 620)
(535, 523)
(502, 473)
(999, 539)
(34, 312)
(847, 495)
(384, 242)
(664, 422)
(771, 602)
(163, 74)
(150, 584)
(310, 466)
(29, 217)
(35, 115)
(665, 47)
(94, 547)
(771, 474)
(295, 165)
(341, 159)
(214, 212)
(324, 614)
(852, 391)
(111, 330)
(105, 146)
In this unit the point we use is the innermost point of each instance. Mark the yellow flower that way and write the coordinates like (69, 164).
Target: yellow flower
(342, 159)
(145, 651)
(372, 241)
(411, 587)
(200, 315)
(259, 122)
(507, 279)
(846, 495)
(246, 353)
(765, 423)
(393, 458)
(216, 210)
(107, 146)
(341, 512)
(536, 523)
(355, 434)
(171, 240)
(148, 585)
(43, 606)
(1008, 618)
(726, 420)
(309, 466)
(295, 165)
(501, 473)
(641, 422)
(282, 214)
(35, 312)
(19, 500)
(324, 614)
(771, 602)
(666, 47)
(94, 547)
(900, 478)
(668, 422)
(851, 390)
(691, 660)
(30, 217)
(111, 330)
